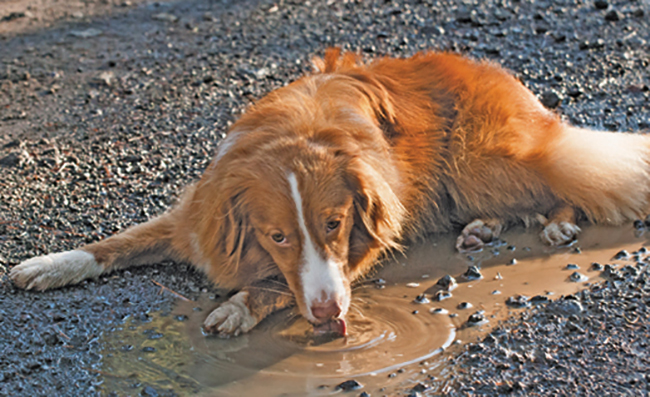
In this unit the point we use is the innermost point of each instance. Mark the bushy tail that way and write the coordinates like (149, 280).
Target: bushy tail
(605, 174)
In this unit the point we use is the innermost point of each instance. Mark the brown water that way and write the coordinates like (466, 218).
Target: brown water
(392, 340)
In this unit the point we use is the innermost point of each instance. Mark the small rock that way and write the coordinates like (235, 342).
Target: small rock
(622, 254)
(539, 299)
(349, 385)
(613, 16)
(149, 391)
(420, 387)
(465, 305)
(163, 16)
(11, 160)
(442, 295)
(473, 273)
(421, 299)
(477, 318)
(105, 78)
(639, 224)
(578, 278)
(413, 285)
(438, 310)
(601, 4)
(498, 276)
(447, 282)
(518, 301)
(87, 33)
(568, 307)
(571, 266)
(512, 261)
(550, 99)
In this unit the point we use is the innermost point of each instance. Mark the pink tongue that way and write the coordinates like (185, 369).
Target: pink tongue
(335, 327)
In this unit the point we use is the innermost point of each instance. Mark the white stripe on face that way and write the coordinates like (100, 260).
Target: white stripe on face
(321, 278)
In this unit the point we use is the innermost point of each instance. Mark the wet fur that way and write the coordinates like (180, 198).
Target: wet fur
(417, 146)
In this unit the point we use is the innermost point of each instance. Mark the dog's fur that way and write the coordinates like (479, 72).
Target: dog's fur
(320, 178)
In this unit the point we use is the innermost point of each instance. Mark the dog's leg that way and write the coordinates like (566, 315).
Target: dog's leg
(478, 233)
(142, 244)
(560, 227)
(248, 307)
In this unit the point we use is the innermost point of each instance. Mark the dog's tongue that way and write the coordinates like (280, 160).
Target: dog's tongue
(335, 328)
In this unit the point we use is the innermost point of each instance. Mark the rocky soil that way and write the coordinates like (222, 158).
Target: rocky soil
(108, 108)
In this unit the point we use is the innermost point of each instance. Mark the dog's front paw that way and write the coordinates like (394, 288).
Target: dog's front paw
(55, 270)
(232, 317)
(559, 233)
(478, 233)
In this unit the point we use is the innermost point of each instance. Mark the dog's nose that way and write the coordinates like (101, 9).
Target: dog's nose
(326, 310)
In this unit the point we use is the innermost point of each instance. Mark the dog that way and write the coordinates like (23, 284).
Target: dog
(323, 177)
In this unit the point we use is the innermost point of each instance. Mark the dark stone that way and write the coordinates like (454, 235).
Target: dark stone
(349, 385)
(550, 99)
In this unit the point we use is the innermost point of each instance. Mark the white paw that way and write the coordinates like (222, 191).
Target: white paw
(55, 270)
(478, 233)
(232, 317)
(559, 233)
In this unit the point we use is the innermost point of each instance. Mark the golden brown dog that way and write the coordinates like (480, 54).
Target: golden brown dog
(322, 177)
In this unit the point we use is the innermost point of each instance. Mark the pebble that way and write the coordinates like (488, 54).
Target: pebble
(513, 261)
(622, 254)
(349, 385)
(442, 295)
(447, 282)
(568, 307)
(87, 33)
(601, 4)
(473, 273)
(578, 277)
(421, 299)
(539, 299)
(413, 285)
(438, 310)
(164, 16)
(149, 391)
(477, 318)
(571, 266)
(613, 16)
(550, 99)
(518, 301)
(464, 305)
(596, 266)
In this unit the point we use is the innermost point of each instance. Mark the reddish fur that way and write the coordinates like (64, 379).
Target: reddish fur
(399, 149)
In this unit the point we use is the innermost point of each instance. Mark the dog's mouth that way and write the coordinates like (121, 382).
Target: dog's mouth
(333, 328)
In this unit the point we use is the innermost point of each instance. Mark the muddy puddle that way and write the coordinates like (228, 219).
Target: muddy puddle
(398, 329)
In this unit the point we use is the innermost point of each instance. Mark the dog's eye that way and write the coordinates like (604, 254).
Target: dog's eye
(332, 225)
(278, 238)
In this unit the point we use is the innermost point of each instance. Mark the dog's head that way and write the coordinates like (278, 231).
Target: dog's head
(293, 188)
(318, 215)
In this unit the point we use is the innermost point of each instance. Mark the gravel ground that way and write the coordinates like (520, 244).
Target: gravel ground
(106, 114)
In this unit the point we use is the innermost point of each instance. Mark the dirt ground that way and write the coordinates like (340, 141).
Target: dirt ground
(108, 108)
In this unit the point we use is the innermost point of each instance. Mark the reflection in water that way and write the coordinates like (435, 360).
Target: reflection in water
(391, 338)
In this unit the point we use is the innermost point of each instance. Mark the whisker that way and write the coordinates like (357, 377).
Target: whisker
(277, 291)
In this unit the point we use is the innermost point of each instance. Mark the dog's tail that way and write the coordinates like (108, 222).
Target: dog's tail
(605, 174)
(147, 243)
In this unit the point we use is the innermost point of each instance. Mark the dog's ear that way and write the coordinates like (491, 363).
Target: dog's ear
(378, 212)
(333, 61)
(227, 239)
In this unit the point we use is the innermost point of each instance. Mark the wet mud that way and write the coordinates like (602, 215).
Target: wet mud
(400, 333)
